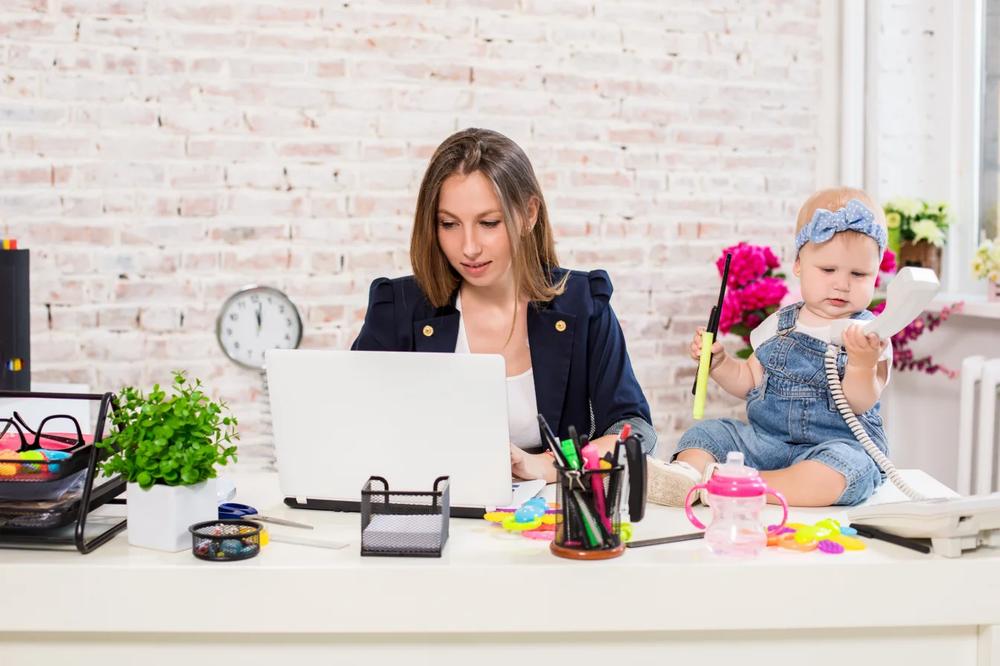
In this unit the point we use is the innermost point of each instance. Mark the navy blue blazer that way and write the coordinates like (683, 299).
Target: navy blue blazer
(578, 354)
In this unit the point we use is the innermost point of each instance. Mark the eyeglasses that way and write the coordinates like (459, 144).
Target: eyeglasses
(55, 432)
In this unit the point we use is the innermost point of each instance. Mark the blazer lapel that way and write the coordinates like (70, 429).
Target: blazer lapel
(437, 334)
(550, 337)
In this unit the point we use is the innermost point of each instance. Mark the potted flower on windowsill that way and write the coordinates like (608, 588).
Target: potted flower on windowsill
(917, 231)
(986, 264)
(167, 448)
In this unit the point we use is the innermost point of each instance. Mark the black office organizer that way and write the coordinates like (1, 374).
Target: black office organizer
(15, 321)
(404, 523)
(46, 524)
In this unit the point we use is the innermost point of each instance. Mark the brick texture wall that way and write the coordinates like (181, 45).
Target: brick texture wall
(155, 156)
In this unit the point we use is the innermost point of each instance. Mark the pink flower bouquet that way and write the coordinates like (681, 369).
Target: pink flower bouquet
(753, 291)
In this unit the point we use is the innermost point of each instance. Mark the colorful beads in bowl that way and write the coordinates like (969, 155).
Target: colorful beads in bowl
(225, 540)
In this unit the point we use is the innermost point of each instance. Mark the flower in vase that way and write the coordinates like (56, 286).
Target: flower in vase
(927, 230)
(906, 206)
(986, 261)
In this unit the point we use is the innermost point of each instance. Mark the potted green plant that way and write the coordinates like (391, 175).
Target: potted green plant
(167, 448)
(917, 231)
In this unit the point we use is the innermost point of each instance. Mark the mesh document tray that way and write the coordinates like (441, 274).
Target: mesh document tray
(404, 523)
(46, 504)
(40, 515)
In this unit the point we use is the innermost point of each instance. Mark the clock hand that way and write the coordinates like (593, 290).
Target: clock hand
(258, 318)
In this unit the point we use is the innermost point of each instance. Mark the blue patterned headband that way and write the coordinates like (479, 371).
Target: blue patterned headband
(855, 216)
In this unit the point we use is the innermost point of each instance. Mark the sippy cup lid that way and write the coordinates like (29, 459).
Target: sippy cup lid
(734, 479)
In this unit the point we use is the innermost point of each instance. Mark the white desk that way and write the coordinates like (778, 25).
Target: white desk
(494, 598)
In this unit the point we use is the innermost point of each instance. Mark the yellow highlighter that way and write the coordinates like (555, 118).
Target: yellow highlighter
(701, 380)
(700, 388)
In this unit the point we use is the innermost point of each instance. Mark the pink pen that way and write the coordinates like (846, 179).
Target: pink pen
(592, 461)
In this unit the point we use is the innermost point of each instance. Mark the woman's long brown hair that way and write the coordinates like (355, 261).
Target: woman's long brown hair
(504, 164)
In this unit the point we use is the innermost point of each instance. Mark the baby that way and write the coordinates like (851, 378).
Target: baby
(795, 435)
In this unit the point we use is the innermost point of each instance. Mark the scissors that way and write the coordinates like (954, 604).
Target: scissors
(235, 510)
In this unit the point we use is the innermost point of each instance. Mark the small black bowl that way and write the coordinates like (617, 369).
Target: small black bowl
(225, 540)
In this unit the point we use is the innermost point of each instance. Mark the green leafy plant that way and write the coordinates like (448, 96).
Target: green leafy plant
(174, 440)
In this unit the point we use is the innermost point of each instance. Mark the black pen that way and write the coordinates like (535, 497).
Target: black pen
(575, 438)
(551, 441)
(715, 314)
(670, 539)
(919, 545)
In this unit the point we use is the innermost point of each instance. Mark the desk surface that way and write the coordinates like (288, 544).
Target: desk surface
(488, 580)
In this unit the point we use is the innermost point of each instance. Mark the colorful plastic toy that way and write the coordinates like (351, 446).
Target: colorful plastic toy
(534, 519)
(827, 536)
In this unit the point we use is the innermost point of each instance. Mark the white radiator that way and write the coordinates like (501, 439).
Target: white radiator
(977, 434)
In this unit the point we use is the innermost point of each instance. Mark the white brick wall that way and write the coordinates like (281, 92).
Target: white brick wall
(157, 155)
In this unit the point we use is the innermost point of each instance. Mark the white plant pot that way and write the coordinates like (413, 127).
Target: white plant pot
(159, 518)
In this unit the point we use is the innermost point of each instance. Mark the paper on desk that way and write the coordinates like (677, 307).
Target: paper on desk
(397, 532)
(307, 541)
(525, 490)
(405, 524)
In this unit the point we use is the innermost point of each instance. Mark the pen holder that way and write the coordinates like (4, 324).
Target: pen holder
(588, 526)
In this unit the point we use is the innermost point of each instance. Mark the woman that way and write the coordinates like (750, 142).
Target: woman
(486, 280)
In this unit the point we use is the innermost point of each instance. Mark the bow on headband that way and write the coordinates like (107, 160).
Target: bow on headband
(855, 216)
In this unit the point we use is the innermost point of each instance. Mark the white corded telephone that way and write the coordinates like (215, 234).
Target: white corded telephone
(952, 524)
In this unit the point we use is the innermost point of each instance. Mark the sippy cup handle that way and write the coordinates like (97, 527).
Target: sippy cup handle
(690, 514)
(697, 523)
(784, 509)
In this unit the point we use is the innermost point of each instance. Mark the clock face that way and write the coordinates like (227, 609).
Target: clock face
(254, 320)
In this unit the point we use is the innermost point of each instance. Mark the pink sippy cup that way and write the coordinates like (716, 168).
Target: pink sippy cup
(736, 494)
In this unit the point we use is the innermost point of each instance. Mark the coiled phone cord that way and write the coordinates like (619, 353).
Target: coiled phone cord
(833, 379)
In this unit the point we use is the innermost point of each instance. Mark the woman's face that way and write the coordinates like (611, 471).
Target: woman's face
(471, 230)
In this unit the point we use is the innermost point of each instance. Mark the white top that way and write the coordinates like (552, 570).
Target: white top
(768, 328)
(522, 408)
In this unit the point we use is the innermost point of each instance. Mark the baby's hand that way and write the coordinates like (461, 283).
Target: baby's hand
(863, 351)
(718, 351)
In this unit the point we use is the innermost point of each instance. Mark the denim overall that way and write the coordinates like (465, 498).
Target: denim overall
(793, 416)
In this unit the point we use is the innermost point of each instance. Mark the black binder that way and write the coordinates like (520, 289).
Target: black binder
(15, 321)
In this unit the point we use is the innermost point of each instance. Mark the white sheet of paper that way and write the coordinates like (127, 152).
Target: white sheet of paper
(33, 410)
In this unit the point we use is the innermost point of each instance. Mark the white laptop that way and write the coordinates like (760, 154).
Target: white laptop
(341, 417)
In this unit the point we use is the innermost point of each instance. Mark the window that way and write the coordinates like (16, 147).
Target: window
(989, 175)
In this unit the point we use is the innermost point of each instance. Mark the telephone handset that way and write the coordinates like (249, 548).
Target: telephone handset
(906, 297)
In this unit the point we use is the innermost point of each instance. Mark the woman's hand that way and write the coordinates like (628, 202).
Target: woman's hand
(863, 351)
(718, 351)
(528, 466)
